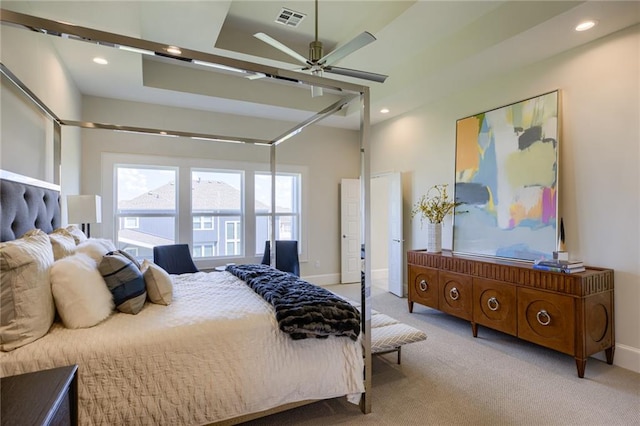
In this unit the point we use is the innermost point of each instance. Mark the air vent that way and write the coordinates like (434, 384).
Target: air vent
(289, 17)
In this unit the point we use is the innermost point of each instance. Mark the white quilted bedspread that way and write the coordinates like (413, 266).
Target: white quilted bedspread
(215, 353)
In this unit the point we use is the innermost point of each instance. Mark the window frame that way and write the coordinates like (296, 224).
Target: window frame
(184, 222)
(296, 214)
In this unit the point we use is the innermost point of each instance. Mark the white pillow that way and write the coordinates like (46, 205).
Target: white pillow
(62, 242)
(95, 248)
(159, 283)
(27, 309)
(81, 295)
(77, 233)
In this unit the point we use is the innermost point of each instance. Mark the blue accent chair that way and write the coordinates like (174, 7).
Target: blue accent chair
(174, 258)
(286, 256)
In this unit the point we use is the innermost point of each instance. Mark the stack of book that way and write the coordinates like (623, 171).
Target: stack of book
(565, 266)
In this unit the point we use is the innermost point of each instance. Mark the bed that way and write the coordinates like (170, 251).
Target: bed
(347, 95)
(214, 354)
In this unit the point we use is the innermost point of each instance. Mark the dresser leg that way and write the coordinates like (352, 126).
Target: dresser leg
(609, 354)
(410, 306)
(474, 329)
(581, 364)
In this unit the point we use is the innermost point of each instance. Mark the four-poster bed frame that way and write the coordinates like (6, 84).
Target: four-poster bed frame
(348, 93)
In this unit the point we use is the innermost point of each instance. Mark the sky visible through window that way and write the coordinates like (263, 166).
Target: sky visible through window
(133, 182)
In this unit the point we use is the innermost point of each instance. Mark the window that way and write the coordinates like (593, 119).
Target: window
(145, 208)
(222, 209)
(216, 203)
(133, 251)
(202, 222)
(287, 211)
(203, 250)
(232, 237)
(131, 222)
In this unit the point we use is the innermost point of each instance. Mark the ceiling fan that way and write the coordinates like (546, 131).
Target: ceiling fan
(318, 63)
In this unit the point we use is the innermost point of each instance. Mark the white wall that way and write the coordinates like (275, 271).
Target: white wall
(599, 191)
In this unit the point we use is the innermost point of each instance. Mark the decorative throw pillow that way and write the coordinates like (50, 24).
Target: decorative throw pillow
(158, 282)
(63, 243)
(27, 309)
(125, 282)
(77, 233)
(81, 295)
(95, 248)
(128, 256)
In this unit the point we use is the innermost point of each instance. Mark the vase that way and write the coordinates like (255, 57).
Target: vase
(434, 237)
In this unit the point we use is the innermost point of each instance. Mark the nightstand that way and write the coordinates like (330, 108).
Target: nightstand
(47, 397)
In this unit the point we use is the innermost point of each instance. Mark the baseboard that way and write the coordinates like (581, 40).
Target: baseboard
(380, 274)
(624, 356)
(324, 279)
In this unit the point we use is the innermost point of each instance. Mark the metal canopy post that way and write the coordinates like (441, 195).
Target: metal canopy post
(272, 237)
(365, 208)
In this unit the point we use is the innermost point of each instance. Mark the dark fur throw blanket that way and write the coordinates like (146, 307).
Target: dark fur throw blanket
(302, 309)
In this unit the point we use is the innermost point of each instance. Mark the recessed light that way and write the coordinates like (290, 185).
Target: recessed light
(586, 25)
(174, 50)
(101, 61)
(384, 110)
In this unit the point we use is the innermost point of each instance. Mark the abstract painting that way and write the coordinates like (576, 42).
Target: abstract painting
(507, 177)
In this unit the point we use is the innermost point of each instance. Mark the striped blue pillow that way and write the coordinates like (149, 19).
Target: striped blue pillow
(125, 281)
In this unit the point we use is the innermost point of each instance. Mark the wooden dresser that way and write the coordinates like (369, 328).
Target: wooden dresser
(47, 397)
(571, 313)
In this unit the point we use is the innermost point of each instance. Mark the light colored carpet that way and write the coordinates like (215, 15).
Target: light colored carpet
(453, 378)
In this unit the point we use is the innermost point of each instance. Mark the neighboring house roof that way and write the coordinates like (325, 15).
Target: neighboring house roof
(141, 239)
(208, 195)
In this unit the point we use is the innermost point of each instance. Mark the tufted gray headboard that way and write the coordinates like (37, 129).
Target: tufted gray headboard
(25, 204)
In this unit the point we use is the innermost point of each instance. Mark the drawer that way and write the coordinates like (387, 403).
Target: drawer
(597, 311)
(423, 286)
(456, 294)
(495, 305)
(547, 319)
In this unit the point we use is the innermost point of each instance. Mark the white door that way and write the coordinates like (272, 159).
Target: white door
(350, 219)
(396, 242)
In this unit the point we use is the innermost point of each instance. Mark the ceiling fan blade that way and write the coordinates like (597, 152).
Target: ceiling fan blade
(316, 90)
(365, 75)
(356, 43)
(281, 47)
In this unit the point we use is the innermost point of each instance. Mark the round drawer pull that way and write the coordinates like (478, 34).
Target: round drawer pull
(454, 293)
(423, 285)
(493, 304)
(543, 314)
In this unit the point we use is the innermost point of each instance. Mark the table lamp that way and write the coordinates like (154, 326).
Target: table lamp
(84, 210)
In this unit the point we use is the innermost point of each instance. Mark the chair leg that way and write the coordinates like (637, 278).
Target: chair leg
(399, 353)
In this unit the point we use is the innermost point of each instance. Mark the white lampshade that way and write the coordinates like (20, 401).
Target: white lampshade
(84, 209)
